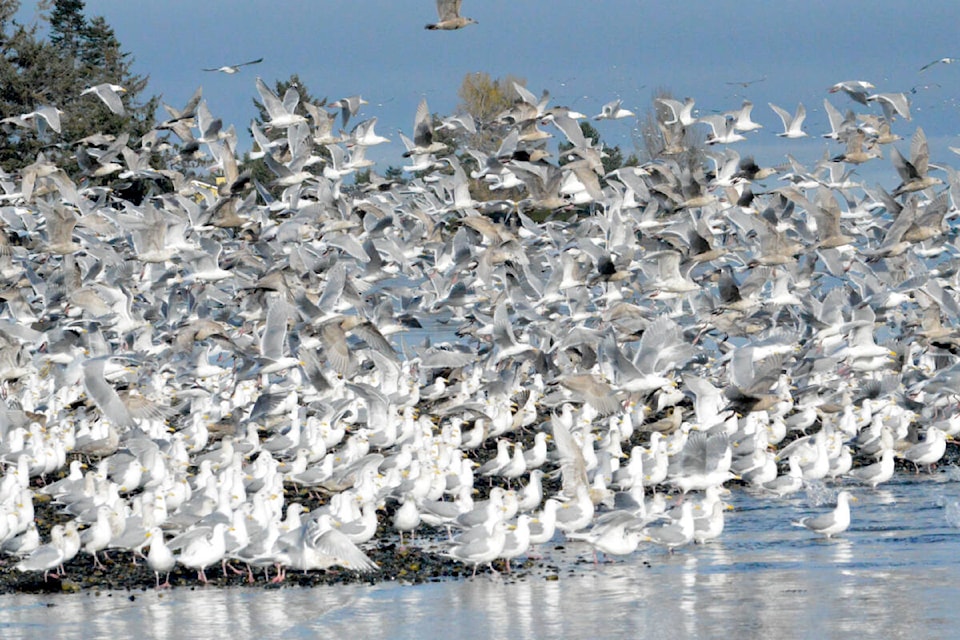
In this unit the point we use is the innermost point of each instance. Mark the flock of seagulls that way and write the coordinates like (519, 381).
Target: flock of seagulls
(555, 361)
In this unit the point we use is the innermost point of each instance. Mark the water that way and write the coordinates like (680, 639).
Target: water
(892, 574)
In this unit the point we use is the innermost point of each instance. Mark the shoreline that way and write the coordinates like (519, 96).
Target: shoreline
(416, 564)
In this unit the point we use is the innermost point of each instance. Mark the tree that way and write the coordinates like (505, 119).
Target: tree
(485, 99)
(67, 27)
(40, 72)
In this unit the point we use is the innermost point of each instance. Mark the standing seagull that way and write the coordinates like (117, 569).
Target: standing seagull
(831, 523)
(450, 18)
(231, 69)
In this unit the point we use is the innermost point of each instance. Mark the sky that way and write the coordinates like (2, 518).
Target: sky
(585, 53)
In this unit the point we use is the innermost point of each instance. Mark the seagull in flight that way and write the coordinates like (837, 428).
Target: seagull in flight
(109, 94)
(449, 13)
(231, 69)
(746, 83)
(939, 61)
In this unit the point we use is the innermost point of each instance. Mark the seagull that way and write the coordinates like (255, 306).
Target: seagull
(348, 106)
(61, 549)
(914, 172)
(103, 393)
(674, 534)
(423, 141)
(856, 89)
(704, 462)
(939, 61)
(613, 111)
(930, 450)
(42, 118)
(710, 525)
(281, 113)
(517, 540)
(723, 129)
(317, 544)
(791, 125)
(741, 118)
(595, 392)
(745, 83)
(830, 524)
(614, 533)
(450, 18)
(892, 103)
(682, 111)
(480, 544)
(874, 474)
(159, 558)
(231, 69)
(200, 551)
(406, 518)
(109, 94)
(48, 556)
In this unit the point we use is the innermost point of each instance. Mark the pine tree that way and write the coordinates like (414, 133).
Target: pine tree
(35, 72)
(67, 27)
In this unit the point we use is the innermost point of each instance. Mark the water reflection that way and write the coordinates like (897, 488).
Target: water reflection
(891, 574)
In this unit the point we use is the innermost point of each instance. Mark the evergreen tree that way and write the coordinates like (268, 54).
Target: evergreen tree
(35, 72)
(67, 27)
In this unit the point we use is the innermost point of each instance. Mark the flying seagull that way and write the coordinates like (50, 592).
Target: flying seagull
(109, 94)
(450, 18)
(231, 69)
(939, 61)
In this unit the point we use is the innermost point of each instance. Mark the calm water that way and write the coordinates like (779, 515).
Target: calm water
(893, 574)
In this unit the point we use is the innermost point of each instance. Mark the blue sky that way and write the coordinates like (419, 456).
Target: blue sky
(585, 52)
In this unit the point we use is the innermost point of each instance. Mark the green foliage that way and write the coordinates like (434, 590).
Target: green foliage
(78, 52)
(67, 27)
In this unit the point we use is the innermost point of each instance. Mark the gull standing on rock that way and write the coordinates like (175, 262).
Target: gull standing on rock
(874, 474)
(159, 558)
